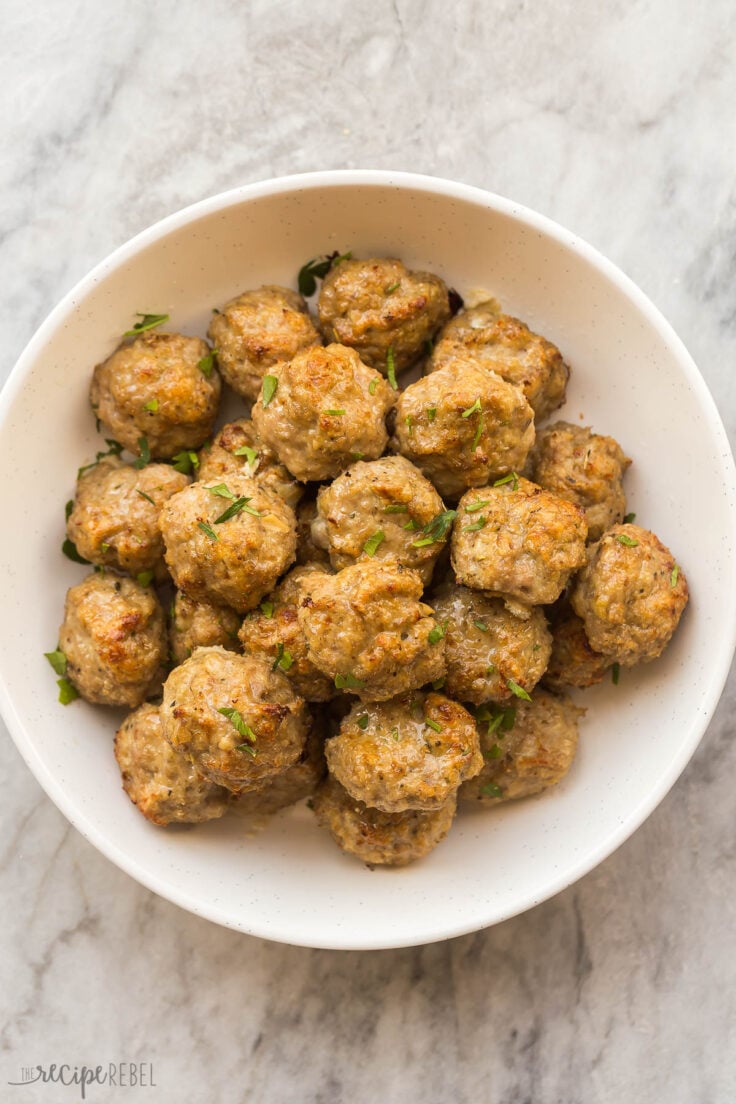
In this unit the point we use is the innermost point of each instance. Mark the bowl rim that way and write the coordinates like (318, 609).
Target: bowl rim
(404, 181)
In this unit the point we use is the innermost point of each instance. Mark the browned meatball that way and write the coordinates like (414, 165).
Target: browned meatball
(153, 393)
(376, 837)
(462, 426)
(294, 784)
(368, 629)
(307, 551)
(508, 347)
(517, 541)
(236, 450)
(408, 753)
(162, 782)
(200, 625)
(114, 639)
(377, 305)
(630, 595)
(256, 330)
(237, 721)
(273, 633)
(114, 520)
(228, 543)
(322, 411)
(374, 510)
(526, 751)
(491, 654)
(573, 662)
(584, 468)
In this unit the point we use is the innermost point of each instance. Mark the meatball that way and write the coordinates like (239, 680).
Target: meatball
(237, 721)
(630, 595)
(585, 468)
(383, 839)
(573, 662)
(236, 450)
(228, 543)
(408, 753)
(508, 347)
(374, 509)
(273, 632)
(307, 551)
(153, 394)
(256, 330)
(292, 785)
(490, 653)
(462, 427)
(114, 519)
(368, 629)
(525, 751)
(517, 541)
(114, 639)
(322, 411)
(377, 305)
(162, 782)
(200, 625)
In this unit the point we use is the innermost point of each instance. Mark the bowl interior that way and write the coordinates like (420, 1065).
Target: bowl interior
(631, 378)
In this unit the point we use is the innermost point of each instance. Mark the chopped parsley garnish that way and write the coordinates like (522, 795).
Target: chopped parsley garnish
(391, 367)
(147, 322)
(396, 508)
(475, 506)
(490, 670)
(628, 518)
(436, 634)
(185, 462)
(476, 525)
(372, 386)
(629, 542)
(511, 478)
(284, 658)
(147, 497)
(69, 549)
(222, 491)
(104, 546)
(412, 525)
(409, 424)
(438, 683)
(336, 413)
(433, 724)
(491, 789)
(494, 752)
(348, 682)
(478, 432)
(144, 578)
(68, 508)
(208, 530)
(481, 625)
(363, 721)
(392, 287)
(519, 691)
(395, 733)
(266, 608)
(67, 692)
(474, 409)
(373, 543)
(615, 673)
(499, 718)
(436, 529)
(152, 406)
(145, 453)
(317, 269)
(235, 508)
(240, 726)
(114, 449)
(673, 576)
(207, 363)
(57, 660)
(357, 455)
(270, 383)
(249, 453)
(431, 413)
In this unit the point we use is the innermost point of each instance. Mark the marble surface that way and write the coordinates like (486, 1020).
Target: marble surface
(616, 119)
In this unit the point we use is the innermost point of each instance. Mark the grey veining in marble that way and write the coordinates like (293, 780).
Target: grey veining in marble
(615, 118)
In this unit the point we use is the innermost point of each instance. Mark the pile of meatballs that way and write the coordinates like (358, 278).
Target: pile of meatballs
(373, 597)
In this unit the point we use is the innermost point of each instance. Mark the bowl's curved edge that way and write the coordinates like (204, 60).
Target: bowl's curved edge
(569, 241)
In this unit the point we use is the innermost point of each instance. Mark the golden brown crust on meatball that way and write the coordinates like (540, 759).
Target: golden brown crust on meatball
(114, 520)
(368, 629)
(377, 304)
(505, 345)
(373, 510)
(573, 662)
(585, 468)
(161, 782)
(201, 625)
(462, 426)
(294, 784)
(273, 633)
(327, 411)
(114, 639)
(411, 752)
(537, 752)
(152, 387)
(487, 649)
(236, 450)
(238, 721)
(517, 541)
(256, 330)
(630, 595)
(233, 560)
(376, 837)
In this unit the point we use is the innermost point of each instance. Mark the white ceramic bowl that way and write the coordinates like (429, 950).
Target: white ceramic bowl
(631, 377)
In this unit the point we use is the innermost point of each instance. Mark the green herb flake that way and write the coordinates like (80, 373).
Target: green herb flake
(67, 692)
(476, 525)
(478, 433)
(436, 634)
(395, 733)
(433, 724)
(474, 409)
(372, 386)
(270, 384)
(240, 726)
(490, 670)
(396, 508)
(411, 525)
(144, 578)
(436, 530)
(363, 721)
(374, 542)
(348, 682)
(222, 491)
(357, 455)
(207, 363)
(114, 449)
(429, 346)
(409, 424)
(317, 269)
(475, 506)
(511, 478)
(147, 322)
(208, 530)
(104, 547)
(438, 683)
(519, 691)
(152, 406)
(615, 673)
(147, 497)
(336, 413)
(392, 287)
(674, 575)
(145, 453)
(431, 413)
(235, 508)
(492, 789)
(284, 658)
(391, 367)
(628, 518)
(481, 625)
(266, 608)
(68, 508)
(495, 751)
(629, 542)
(57, 660)
(69, 549)
(185, 462)
(249, 453)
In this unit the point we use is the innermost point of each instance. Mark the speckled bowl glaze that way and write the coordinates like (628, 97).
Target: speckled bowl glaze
(631, 378)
